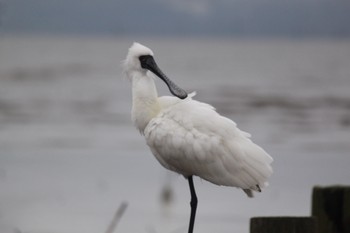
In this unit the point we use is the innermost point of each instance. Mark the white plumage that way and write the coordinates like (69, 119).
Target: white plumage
(189, 137)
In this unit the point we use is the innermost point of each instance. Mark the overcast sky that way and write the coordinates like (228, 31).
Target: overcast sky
(329, 18)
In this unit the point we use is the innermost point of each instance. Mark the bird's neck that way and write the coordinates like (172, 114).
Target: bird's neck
(145, 104)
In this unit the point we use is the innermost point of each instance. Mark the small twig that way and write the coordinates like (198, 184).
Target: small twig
(117, 216)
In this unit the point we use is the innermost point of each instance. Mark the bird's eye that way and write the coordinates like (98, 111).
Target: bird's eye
(143, 58)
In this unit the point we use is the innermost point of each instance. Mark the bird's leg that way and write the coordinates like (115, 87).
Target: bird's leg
(194, 202)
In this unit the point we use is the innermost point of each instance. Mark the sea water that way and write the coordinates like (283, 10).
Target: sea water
(69, 155)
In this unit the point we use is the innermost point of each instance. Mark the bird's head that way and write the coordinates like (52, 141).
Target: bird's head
(132, 61)
(140, 59)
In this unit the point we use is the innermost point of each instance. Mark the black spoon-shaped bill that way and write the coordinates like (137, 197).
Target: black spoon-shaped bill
(148, 62)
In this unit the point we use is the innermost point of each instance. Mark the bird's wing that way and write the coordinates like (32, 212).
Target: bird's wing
(191, 138)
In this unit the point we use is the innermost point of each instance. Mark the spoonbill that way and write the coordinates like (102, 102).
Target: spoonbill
(189, 137)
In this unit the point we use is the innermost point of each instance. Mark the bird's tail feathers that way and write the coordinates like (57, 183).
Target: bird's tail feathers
(249, 192)
(257, 168)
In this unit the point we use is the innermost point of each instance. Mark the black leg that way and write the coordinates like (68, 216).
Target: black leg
(194, 202)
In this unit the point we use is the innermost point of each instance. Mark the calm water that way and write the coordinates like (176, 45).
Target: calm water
(70, 156)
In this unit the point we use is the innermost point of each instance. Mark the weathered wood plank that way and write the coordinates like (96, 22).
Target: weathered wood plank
(283, 225)
(331, 205)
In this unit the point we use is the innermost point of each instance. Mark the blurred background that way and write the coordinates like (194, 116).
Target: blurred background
(69, 155)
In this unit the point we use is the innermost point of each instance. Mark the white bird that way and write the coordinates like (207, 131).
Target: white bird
(189, 137)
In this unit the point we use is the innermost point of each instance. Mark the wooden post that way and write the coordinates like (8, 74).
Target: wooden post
(331, 205)
(283, 225)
